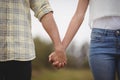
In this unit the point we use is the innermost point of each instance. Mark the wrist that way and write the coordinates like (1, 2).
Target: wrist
(60, 47)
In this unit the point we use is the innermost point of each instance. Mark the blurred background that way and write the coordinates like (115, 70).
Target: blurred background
(77, 52)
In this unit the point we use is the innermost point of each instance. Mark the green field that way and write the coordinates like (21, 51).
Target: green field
(63, 74)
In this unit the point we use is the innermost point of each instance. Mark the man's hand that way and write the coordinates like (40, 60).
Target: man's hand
(58, 59)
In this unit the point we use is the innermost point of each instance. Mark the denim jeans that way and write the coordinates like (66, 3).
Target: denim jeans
(104, 57)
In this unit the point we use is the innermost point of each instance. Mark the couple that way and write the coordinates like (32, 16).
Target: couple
(17, 48)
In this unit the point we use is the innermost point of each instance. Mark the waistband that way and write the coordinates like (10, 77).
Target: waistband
(106, 32)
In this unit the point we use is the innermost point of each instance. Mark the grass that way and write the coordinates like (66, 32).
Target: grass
(63, 74)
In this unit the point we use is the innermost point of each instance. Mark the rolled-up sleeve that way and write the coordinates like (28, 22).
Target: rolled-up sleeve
(40, 7)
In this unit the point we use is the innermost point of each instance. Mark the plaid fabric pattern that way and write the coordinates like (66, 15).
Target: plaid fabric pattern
(16, 41)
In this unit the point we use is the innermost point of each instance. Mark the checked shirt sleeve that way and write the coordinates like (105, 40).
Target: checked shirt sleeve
(40, 7)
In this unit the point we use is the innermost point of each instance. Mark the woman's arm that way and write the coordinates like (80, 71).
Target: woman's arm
(75, 23)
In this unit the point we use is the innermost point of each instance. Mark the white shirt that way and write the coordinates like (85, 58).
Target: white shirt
(111, 22)
(103, 8)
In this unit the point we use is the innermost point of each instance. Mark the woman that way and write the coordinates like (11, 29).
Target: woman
(104, 57)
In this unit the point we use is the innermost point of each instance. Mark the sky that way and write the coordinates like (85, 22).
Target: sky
(63, 12)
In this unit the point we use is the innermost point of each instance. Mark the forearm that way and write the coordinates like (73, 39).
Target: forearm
(75, 22)
(72, 30)
(50, 26)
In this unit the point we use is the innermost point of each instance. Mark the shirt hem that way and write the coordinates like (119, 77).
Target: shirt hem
(30, 59)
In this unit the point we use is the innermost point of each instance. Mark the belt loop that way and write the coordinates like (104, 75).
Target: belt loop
(105, 32)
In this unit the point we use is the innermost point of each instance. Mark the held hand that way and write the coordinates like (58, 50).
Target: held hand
(58, 59)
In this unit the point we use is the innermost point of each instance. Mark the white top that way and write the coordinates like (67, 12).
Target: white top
(111, 22)
(103, 8)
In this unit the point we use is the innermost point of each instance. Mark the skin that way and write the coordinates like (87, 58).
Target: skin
(73, 27)
(50, 26)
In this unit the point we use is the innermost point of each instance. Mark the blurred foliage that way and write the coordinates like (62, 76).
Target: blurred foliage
(42, 49)
(77, 57)
(76, 69)
(71, 62)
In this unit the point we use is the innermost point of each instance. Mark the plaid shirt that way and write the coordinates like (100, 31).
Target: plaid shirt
(16, 41)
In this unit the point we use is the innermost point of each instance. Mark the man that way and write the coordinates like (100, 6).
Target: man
(16, 44)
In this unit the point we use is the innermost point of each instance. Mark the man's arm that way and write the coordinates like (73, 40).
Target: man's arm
(43, 12)
(51, 28)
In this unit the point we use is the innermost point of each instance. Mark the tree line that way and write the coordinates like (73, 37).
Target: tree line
(77, 56)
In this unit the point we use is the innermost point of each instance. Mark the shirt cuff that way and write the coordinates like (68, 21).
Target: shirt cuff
(43, 11)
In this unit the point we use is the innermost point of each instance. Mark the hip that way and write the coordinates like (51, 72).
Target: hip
(105, 41)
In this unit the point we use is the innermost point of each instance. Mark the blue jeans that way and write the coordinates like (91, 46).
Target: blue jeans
(104, 57)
